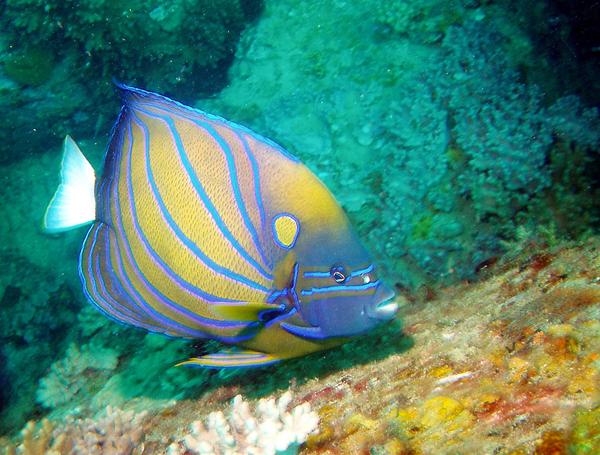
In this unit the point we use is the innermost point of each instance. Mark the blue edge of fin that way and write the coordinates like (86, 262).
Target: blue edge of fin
(231, 359)
(127, 92)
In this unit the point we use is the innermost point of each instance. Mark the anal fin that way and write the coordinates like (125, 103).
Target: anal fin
(232, 359)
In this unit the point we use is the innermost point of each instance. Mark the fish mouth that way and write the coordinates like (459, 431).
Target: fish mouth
(387, 308)
(384, 310)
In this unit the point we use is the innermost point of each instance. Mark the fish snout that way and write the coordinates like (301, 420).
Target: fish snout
(383, 307)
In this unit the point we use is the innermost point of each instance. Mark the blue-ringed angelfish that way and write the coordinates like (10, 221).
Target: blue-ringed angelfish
(202, 228)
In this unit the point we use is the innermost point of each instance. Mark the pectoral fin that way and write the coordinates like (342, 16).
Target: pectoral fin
(232, 359)
(311, 333)
(245, 311)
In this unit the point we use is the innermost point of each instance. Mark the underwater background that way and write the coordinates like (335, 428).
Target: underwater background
(461, 137)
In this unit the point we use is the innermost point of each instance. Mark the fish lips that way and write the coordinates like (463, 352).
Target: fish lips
(385, 309)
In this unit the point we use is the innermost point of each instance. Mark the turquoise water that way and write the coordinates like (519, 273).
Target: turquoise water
(448, 131)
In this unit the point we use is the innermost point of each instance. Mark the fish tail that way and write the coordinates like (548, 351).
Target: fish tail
(74, 203)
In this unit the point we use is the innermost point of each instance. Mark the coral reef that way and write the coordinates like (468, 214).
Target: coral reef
(499, 124)
(512, 365)
(67, 377)
(428, 122)
(423, 120)
(57, 59)
(115, 432)
(273, 430)
(506, 364)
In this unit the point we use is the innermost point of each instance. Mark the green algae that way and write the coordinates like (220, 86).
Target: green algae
(32, 66)
(422, 227)
(586, 432)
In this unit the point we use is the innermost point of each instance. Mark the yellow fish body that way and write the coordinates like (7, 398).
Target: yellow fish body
(204, 229)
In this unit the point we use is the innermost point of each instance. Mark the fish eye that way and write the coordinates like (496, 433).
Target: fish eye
(338, 273)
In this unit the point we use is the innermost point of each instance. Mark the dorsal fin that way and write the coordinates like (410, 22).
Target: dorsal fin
(132, 96)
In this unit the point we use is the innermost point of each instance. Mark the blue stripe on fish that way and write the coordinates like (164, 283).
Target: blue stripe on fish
(159, 296)
(140, 316)
(228, 274)
(204, 196)
(116, 291)
(171, 326)
(91, 278)
(87, 276)
(235, 185)
(343, 288)
(317, 274)
(154, 256)
(136, 297)
(327, 274)
(292, 287)
(360, 272)
(257, 191)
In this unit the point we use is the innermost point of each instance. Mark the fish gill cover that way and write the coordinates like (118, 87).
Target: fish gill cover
(451, 132)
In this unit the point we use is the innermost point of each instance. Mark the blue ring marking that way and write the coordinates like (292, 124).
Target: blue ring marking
(147, 98)
(348, 288)
(181, 235)
(209, 206)
(157, 294)
(275, 237)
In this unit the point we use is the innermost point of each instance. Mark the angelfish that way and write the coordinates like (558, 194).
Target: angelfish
(202, 228)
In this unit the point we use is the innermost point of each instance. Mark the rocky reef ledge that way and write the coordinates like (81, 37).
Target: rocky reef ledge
(509, 364)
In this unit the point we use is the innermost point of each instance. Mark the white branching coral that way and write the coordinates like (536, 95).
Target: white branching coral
(271, 429)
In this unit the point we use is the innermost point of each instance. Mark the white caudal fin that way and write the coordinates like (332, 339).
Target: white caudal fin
(74, 203)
